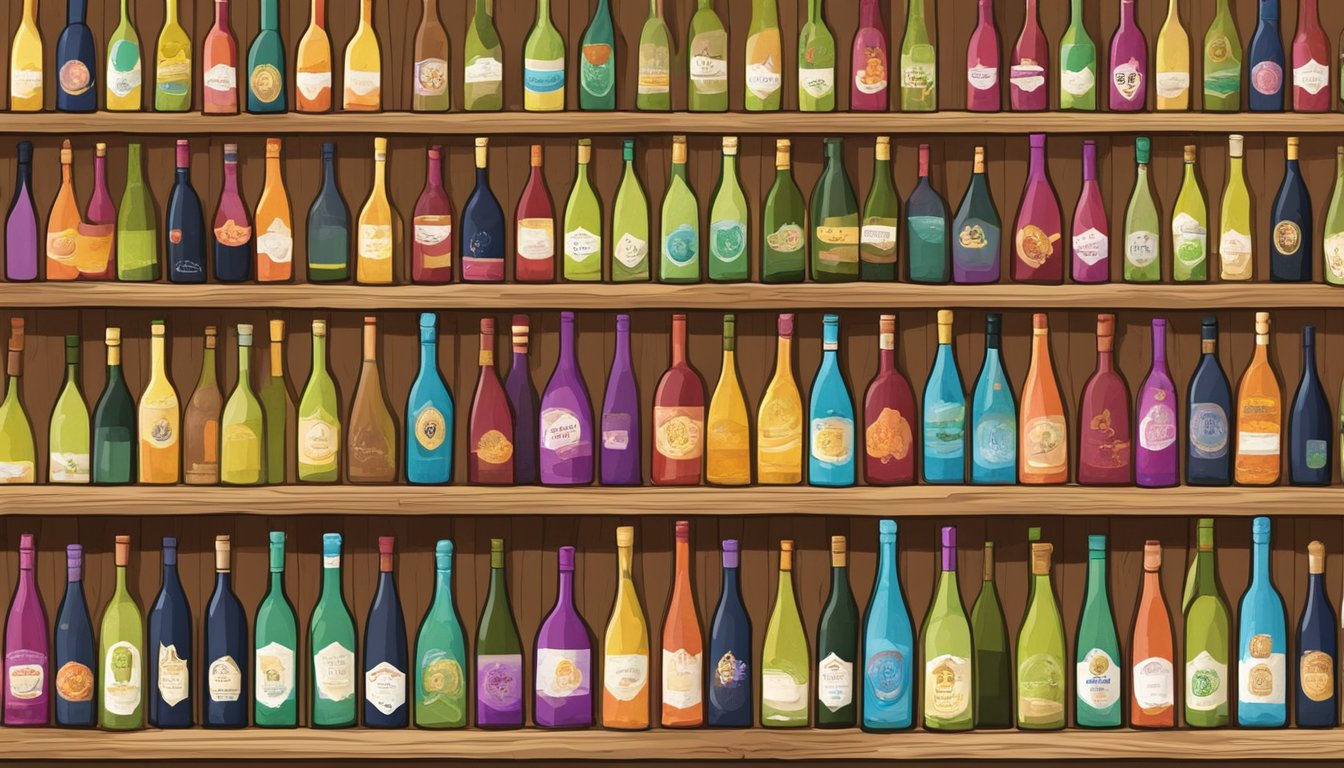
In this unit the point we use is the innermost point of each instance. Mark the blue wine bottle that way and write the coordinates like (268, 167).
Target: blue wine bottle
(1208, 459)
(226, 652)
(76, 62)
(888, 645)
(1290, 246)
(184, 229)
(482, 227)
(523, 398)
(1262, 673)
(831, 453)
(76, 705)
(993, 415)
(329, 227)
(730, 644)
(429, 414)
(976, 231)
(1264, 60)
(1310, 442)
(385, 659)
(1317, 650)
(927, 254)
(944, 412)
(170, 649)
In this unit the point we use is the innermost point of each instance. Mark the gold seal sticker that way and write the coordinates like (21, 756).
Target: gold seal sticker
(74, 682)
(494, 448)
(266, 83)
(1287, 238)
(889, 437)
(429, 428)
(1099, 664)
(1318, 675)
(1261, 680)
(1261, 646)
(680, 437)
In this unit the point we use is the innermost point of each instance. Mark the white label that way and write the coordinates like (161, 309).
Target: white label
(762, 81)
(630, 250)
(432, 234)
(625, 675)
(1258, 443)
(1027, 77)
(1311, 77)
(69, 467)
(1235, 250)
(312, 84)
(779, 690)
(817, 82)
(1127, 79)
(1205, 683)
(385, 688)
(174, 675)
(536, 243)
(225, 679)
(121, 678)
(361, 82)
(375, 241)
(1154, 683)
(683, 677)
(876, 234)
(1077, 83)
(1091, 247)
(708, 68)
(947, 686)
(333, 672)
(1098, 679)
(221, 77)
(1334, 254)
(835, 682)
(615, 439)
(1186, 229)
(1141, 248)
(25, 84)
(120, 81)
(1170, 85)
(562, 673)
(275, 675)
(26, 681)
(431, 77)
(276, 243)
(484, 70)
(982, 78)
(580, 244)
(560, 429)
(832, 439)
(1262, 680)
(1157, 428)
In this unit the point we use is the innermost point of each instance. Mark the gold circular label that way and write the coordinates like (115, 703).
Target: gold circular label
(74, 682)
(1287, 238)
(266, 83)
(494, 448)
(429, 428)
(1034, 246)
(1261, 680)
(442, 677)
(679, 437)
(1099, 664)
(1261, 646)
(1318, 675)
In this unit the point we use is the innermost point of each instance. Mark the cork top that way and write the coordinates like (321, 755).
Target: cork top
(67, 154)
(882, 149)
(210, 333)
(585, 151)
(16, 334)
(625, 536)
(380, 148)
(683, 531)
(679, 150)
(123, 551)
(839, 551)
(567, 559)
(1040, 323)
(272, 149)
(1262, 323)
(1316, 557)
(112, 337)
(1040, 558)
(1235, 145)
(783, 153)
(386, 546)
(482, 152)
(987, 567)
(730, 145)
(1152, 556)
(277, 330)
(156, 328)
(1190, 150)
(100, 150)
(1293, 144)
(786, 555)
(319, 327)
(979, 160)
(222, 549)
(1105, 332)
(496, 553)
(534, 158)
(786, 325)
(435, 152)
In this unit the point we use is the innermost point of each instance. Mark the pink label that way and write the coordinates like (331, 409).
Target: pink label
(1157, 429)
(1267, 78)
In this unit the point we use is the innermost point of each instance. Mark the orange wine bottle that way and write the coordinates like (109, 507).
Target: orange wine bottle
(63, 225)
(1259, 415)
(1152, 651)
(274, 223)
(683, 645)
(1043, 452)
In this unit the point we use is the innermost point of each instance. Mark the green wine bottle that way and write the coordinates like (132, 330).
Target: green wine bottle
(597, 61)
(68, 435)
(707, 60)
(544, 64)
(441, 653)
(1098, 703)
(919, 63)
(114, 428)
(483, 59)
(137, 232)
(654, 91)
(728, 222)
(18, 457)
(949, 676)
(630, 225)
(1077, 65)
(993, 668)
(1190, 227)
(499, 653)
(1222, 62)
(242, 459)
(837, 646)
(278, 408)
(881, 216)
(784, 656)
(765, 59)
(277, 645)
(784, 224)
(1208, 641)
(1041, 678)
(835, 221)
(680, 262)
(1142, 246)
(121, 646)
(319, 432)
(816, 62)
(331, 647)
(583, 224)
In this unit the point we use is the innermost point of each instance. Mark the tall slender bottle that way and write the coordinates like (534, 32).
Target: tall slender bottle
(1332, 250)
(625, 648)
(1259, 415)
(1291, 244)
(621, 438)
(678, 418)
(312, 63)
(566, 430)
(319, 432)
(1038, 253)
(764, 59)
(837, 646)
(1311, 51)
(483, 62)
(137, 248)
(274, 223)
(544, 64)
(888, 644)
(927, 258)
(18, 456)
(729, 220)
(919, 62)
(266, 81)
(76, 65)
(277, 405)
(870, 91)
(583, 223)
(371, 447)
(482, 226)
(499, 653)
(1262, 646)
(680, 224)
(27, 669)
(784, 237)
(1317, 645)
(68, 432)
(944, 425)
(491, 429)
(363, 82)
(276, 646)
(225, 672)
(1030, 63)
(121, 646)
(779, 418)
(1310, 452)
(184, 225)
(1077, 64)
(1104, 436)
(1222, 62)
(101, 220)
(976, 246)
(1041, 674)
(26, 79)
(173, 66)
(159, 418)
(878, 239)
(683, 675)
(378, 238)
(429, 414)
(114, 429)
(816, 62)
(1157, 455)
(1236, 249)
(1043, 452)
(1152, 651)
(784, 656)
(1190, 227)
(21, 232)
(654, 81)
(888, 412)
(385, 659)
(430, 88)
(242, 453)
(171, 649)
(630, 224)
(1208, 458)
(731, 671)
(563, 659)
(1208, 640)
(597, 61)
(948, 680)
(993, 667)
(1265, 61)
(534, 228)
(983, 91)
(200, 421)
(432, 226)
(441, 653)
(1143, 248)
(73, 649)
(993, 415)
(831, 416)
(62, 245)
(219, 65)
(332, 674)
(1172, 62)
(1129, 63)
(728, 427)
(1099, 674)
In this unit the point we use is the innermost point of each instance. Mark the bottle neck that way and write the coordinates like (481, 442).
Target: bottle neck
(1127, 13)
(1260, 563)
(1096, 578)
(121, 580)
(443, 586)
(270, 15)
(207, 368)
(170, 12)
(987, 11)
(319, 14)
(868, 16)
(1205, 577)
(1159, 349)
(498, 587)
(244, 366)
(222, 14)
(1037, 163)
(231, 177)
(567, 343)
(100, 173)
(886, 560)
(435, 173)
(331, 578)
(784, 356)
(156, 354)
(72, 373)
(319, 353)
(683, 568)
(678, 343)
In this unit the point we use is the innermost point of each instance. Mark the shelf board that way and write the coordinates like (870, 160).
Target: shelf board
(608, 296)
(42, 744)
(909, 501)
(623, 123)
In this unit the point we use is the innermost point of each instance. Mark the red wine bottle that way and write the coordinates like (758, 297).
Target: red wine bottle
(432, 249)
(490, 455)
(534, 229)
(678, 417)
(1038, 253)
(888, 411)
(1104, 440)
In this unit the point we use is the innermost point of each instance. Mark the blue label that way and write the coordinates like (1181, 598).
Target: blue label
(996, 442)
(1208, 431)
(945, 429)
(682, 245)
(544, 76)
(887, 676)
(727, 240)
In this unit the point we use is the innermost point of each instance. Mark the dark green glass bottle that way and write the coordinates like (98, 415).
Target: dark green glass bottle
(837, 646)
(114, 423)
(784, 224)
(835, 221)
(993, 658)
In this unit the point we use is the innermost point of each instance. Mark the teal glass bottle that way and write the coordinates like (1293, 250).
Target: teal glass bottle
(993, 415)
(1262, 669)
(1098, 703)
(831, 414)
(441, 653)
(597, 62)
(266, 64)
(888, 644)
(277, 648)
(944, 412)
(429, 414)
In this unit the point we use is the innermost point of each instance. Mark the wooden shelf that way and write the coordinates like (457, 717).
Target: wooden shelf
(717, 296)
(623, 123)
(41, 744)
(910, 501)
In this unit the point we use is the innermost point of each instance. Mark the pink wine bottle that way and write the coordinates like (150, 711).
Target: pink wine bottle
(1129, 63)
(102, 213)
(872, 78)
(1038, 254)
(982, 64)
(26, 667)
(1031, 62)
(1156, 461)
(1311, 51)
(1091, 232)
(1103, 417)
(432, 226)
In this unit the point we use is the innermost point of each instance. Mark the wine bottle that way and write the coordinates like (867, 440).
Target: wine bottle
(1172, 62)
(329, 226)
(18, 456)
(1311, 51)
(1143, 250)
(563, 696)
(1237, 237)
(1129, 63)
(678, 417)
(68, 432)
(1190, 227)
(171, 649)
(1077, 64)
(73, 649)
(1222, 62)
(63, 223)
(378, 238)
(888, 409)
(275, 702)
(621, 444)
(219, 65)
(1043, 452)
(544, 64)
(137, 249)
(870, 91)
(1038, 225)
(831, 415)
(242, 453)
(432, 227)
(1207, 640)
(121, 638)
(277, 406)
(993, 415)
(630, 224)
(654, 82)
(878, 238)
(124, 66)
(976, 247)
(728, 434)
(27, 668)
(430, 83)
(331, 647)
(982, 62)
(816, 62)
(1291, 243)
(625, 648)
(1317, 701)
(1157, 456)
(944, 412)
(1208, 458)
(566, 430)
(312, 63)
(784, 655)
(26, 90)
(429, 414)
(1152, 650)
(1104, 436)
(946, 650)
(597, 61)
(483, 62)
(837, 646)
(491, 431)
(385, 661)
(159, 421)
(730, 679)
(371, 450)
(1027, 79)
(184, 236)
(266, 64)
(1265, 60)
(319, 432)
(101, 221)
(1309, 449)
(1041, 675)
(482, 226)
(1333, 236)
(441, 653)
(683, 645)
(919, 62)
(1259, 414)
(523, 401)
(1100, 682)
(784, 240)
(226, 658)
(728, 222)
(680, 232)
(76, 68)
(275, 225)
(779, 418)
(888, 644)
(764, 58)
(927, 257)
(1262, 674)
(173, 66)
(499, 653)
(583, 224)
(993, 667)
(114, 438)
(200, 422)
(21, 237)
(534, 230)
(363, 66)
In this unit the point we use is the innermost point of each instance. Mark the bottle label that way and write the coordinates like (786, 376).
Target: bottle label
(25, 83)
(918, 71)
(536, 239)
(654, 76)
(363, 82)
(680, 432)
(1267, 78)
(683, 676)
(433, 240)
(1317, 455)
(499, 681)
(484, 69)
(833, 440)
(1317, 675)
(561, 430)
(1098, 680)
(123, 68)
(74, 78)
(581, 244)
(385, 687)
(1035, 246)
(1287, 238)
(835, 682)
(27, 673)
(616, 431)
(1046, 442)
(996, 441)
(225, 679)
(632, 251)
(69, 467)
(763, 78)
(727, 240)
(973, 237)
(1026, 76)
(1078, 82)
(881, 238)
(1334, 255)
(562, 673)
(431, 77)
(375, 242)
(16, 472)
(709, 62)
(888, 677)
(441, 678)
(817, 82)
(837, 244)
(275, 675)
(493, 447)
(788, 239)
(780, 691)
(1157, 428)
(1222, 78)
(1091, 247)
(233, 234)
(681, 246)
(1312, 77)
(1205, 683)
(1141, 248)
(74, 682)
(947, 686)
(334, 672)
(1261, 672)
(221, 78)
(1257, 443)
(1040, 688)
(1189, 239)
(625, 675)
(871, 78)
(596, 73)
(1154, 684)
(158, 425)
(121, 678)
(889, 437)
(729, 672)
(319, 439)
(544, 75)
(266, 83)
(312, 84)
(1208, 430)
(174, 676)
(944, 428)
(1236, 253)
(276, 244)
(983, 78)
(1172, 85)
(430, 428)
(1127, 79)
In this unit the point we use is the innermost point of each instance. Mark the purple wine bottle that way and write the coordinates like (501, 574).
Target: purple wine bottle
(564, 693)
(26, 667)
(1091, 231)
(1129, 63)
(982, 64)
(523, 399)
(1037, 251)
(566, 433)
(620, 464)
(21, 247)
(1156, 461)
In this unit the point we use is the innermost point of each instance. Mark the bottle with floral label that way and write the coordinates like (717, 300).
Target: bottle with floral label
(121, 653)
(441, 653)
(319, 431)
(1265, 61)
(680, 223)
(870, 91)
(499, 676)
(1292, 236)
(678, 418)
(1104, 444)
(1208, 639)
(563, 689)
(919, 62)
(728, 436)
(977, 230)
(429, 84)
(888, 414)
(1332, 249)
(730, 697)
(1038, 252)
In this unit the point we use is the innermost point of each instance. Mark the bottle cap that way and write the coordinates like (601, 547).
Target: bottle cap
(223, 547)
(277, 330)
(1235, 145)
(949, 548)
(443, 554)
(566, 317)
(272, 148)
(386, 545)
(1209, 328)
(331, 547)
(25, 151)
(628, 150)
(1096, 543)
(487, 325)
(112, 337)
(987, 566)
(1190, 150)
(1040, 321)
(683, 530)
(785, 324)
(74, 562)
(730, 553)
(1105, 324)
(944, 317)
(567, 558)
(994, 324)
(100, 150)
(1142, 150)
(886, 527)
(244, 335)
(1260, 530)
(1206, 533)
(1262, 323)
(1033, 534)
(1038, 141)
(319, 327)
(170, 550)
(379, 145)
(26, 543)
(625, 536)
(1308, 335)
(730, 145)
(1152, 556)
(277, 551)
(1040, 558)
(535, 156)
(435, 152)
(71, 350)
(428, 320)
(328, 150)
(16, 334)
